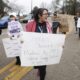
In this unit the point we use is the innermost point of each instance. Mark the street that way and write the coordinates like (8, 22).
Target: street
(67, 69)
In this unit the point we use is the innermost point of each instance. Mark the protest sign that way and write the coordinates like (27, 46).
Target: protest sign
(78, 23)
(41, 48)
(12, 47)
(14, 28)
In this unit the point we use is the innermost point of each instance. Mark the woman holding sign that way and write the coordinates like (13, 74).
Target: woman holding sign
(14, 32)
(41, 25)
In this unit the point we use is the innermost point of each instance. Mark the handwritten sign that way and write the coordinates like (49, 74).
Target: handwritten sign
(14, 28)
(78, 23)
(41, 48)
(12, 47)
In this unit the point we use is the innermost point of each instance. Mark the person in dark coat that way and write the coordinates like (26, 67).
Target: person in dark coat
(0, 31)
(76, 19)
(55, 23)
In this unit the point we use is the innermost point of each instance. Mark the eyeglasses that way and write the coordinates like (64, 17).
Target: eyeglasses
(46, 14)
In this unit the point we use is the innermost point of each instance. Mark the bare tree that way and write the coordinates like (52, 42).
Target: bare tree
(3, 7)
(55, 5)
(44, 5)
(71, 6)
(16, 8)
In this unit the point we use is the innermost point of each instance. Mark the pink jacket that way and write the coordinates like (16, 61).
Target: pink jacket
(31, 26)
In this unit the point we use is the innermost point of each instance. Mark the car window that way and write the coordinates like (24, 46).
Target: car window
(5, 18)
(28, 17)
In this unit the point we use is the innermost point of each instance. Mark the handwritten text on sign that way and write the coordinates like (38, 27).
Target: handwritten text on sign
(12, 47)
(41, 48)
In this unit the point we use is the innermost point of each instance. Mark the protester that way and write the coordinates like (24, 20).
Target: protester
(41, 25)
(55, 23)
(0, 31)
(76, 19)
(14, 32)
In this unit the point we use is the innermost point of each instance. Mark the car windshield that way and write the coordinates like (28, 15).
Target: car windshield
(5, 18)
(28, 17)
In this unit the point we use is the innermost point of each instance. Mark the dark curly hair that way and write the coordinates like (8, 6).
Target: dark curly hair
(39, 11)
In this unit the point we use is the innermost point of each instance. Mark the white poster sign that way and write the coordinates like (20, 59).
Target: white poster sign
(12, 47)
(14, 28)
(78, 23)
(41, 48)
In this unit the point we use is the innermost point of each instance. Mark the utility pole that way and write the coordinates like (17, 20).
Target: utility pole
(63, 6)
(31, 5)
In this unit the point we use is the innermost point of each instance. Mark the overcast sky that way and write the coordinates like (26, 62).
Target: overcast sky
(27, 3)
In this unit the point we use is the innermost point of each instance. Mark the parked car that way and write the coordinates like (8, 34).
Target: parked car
(4, 22)
(26, 19)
